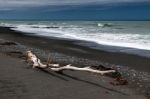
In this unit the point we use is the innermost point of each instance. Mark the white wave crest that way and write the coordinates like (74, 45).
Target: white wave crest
(114, 39)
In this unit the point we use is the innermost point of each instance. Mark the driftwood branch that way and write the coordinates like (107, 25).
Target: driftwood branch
(88, 69)
(36, 62)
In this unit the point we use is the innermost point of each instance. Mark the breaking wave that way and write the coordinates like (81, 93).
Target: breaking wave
(130, 36)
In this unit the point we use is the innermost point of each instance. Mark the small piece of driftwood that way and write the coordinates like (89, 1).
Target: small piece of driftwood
(36, 62)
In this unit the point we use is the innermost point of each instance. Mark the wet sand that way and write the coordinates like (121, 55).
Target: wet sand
(69, 47)
(19, 80)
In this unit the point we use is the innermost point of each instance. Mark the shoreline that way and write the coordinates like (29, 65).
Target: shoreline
(67, 51)
(72, 48)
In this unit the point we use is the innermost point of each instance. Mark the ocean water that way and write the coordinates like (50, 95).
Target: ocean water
(130, 34)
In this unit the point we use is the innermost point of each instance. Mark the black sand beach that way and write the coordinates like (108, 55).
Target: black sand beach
(18, 80)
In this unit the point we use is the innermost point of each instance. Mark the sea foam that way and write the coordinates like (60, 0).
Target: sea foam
(94, 32)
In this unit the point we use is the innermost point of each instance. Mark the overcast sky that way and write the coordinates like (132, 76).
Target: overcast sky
(32, 3)
(49, 5)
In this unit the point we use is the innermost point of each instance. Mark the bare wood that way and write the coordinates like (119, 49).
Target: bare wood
(88, 69)
(56, 67)
(31, 58)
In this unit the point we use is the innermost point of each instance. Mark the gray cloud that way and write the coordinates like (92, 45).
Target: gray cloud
(9, 4)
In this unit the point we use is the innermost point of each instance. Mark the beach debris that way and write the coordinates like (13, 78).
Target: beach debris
(119, 81)
(8, 43)
(36, 62)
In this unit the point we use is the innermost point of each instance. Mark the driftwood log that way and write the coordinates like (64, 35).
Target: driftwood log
(36, 62)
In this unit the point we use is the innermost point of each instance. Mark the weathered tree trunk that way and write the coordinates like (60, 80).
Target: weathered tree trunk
(31, 58)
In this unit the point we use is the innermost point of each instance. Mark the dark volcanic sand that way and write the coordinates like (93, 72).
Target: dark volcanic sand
(69, 47)
(19, 81)
(26, 82)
